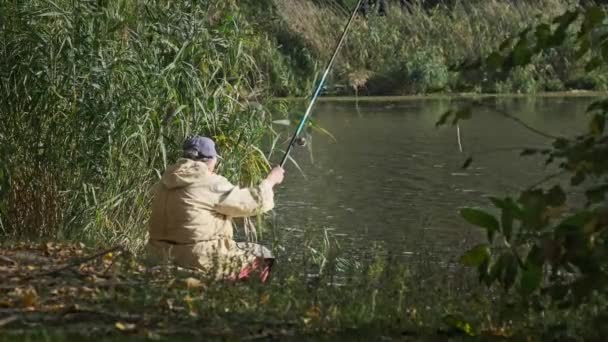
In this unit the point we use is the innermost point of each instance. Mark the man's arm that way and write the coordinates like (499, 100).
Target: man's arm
(244, 202)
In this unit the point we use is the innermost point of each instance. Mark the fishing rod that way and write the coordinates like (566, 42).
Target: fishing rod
(320, 86)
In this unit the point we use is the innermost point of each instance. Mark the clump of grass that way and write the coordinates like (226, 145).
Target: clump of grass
(97, 97)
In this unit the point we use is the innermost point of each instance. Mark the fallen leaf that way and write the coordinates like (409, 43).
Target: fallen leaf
(50, 247)
(92, 279)
(191, 309)
(56, 307)
(108, 257)
(264, 299)
(30, 297)
(168, 302)
(151, 335)
(193, 283)
(124, 326)
(313, 313)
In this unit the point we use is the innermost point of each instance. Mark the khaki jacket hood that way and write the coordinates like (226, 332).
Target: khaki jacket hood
(184, 173)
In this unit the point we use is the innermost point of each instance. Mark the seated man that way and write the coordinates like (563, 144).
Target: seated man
(192, 211)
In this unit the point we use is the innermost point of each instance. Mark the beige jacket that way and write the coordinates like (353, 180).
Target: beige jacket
(192, 211)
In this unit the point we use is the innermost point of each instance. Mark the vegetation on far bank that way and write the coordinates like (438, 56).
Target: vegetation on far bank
(417, 50)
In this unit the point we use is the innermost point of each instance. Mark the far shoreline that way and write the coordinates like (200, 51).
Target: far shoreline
(451, 96)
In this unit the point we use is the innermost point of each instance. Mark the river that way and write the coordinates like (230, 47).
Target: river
(391, 177)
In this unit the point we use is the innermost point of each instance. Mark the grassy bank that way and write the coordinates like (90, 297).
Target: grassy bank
(414, 51)
(57, 292)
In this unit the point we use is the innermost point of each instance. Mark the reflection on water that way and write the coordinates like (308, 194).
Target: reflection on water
(391, 176)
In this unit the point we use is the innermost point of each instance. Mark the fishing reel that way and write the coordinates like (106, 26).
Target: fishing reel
(300, 141)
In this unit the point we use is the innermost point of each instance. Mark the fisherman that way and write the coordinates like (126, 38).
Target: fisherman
(192, 212)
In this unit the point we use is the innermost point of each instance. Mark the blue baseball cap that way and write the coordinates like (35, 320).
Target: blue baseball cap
(200, 147)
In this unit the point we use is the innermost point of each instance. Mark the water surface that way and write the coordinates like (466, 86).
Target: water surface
(392, 177)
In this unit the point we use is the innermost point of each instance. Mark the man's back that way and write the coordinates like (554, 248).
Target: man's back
(183, 208)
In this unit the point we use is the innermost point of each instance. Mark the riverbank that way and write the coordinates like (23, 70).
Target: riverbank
(452, 96)
(60, 291)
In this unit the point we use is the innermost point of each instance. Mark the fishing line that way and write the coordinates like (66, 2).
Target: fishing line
(320, 85)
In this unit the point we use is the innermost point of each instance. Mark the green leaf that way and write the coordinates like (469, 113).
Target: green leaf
(566, 19)
(510, 212)
(282, 122)
(543, 36)
(497, 268)
(482, 272)
(532, 199)
(599, 106)
(495, 60)
(597, 124)
(510, 272)
(531, 279)
(560, 143)
(584, 286)
(506, 221)
(534, 205)
(505, 270)
(506, 44)
(558, 37)
(604, 50)
(558, 292)
(596, 194)
(522, 54)
(528, 152)
(593, 64)
(476, 256)
(556, 196)
(593, 16)
(317, 128)
(481, 219)
(498, 203)
(578, 178)
(462, 114)
(579, 220)
(459, 323)
(583, 48)
(444, 118)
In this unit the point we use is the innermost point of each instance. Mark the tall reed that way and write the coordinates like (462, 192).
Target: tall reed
(96, 98)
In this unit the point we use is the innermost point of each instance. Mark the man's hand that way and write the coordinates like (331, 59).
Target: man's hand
(276, 176)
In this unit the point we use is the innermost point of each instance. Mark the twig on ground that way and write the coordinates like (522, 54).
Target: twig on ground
(8, 260)
(8, 320)
(115, 316)
(73, 264)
